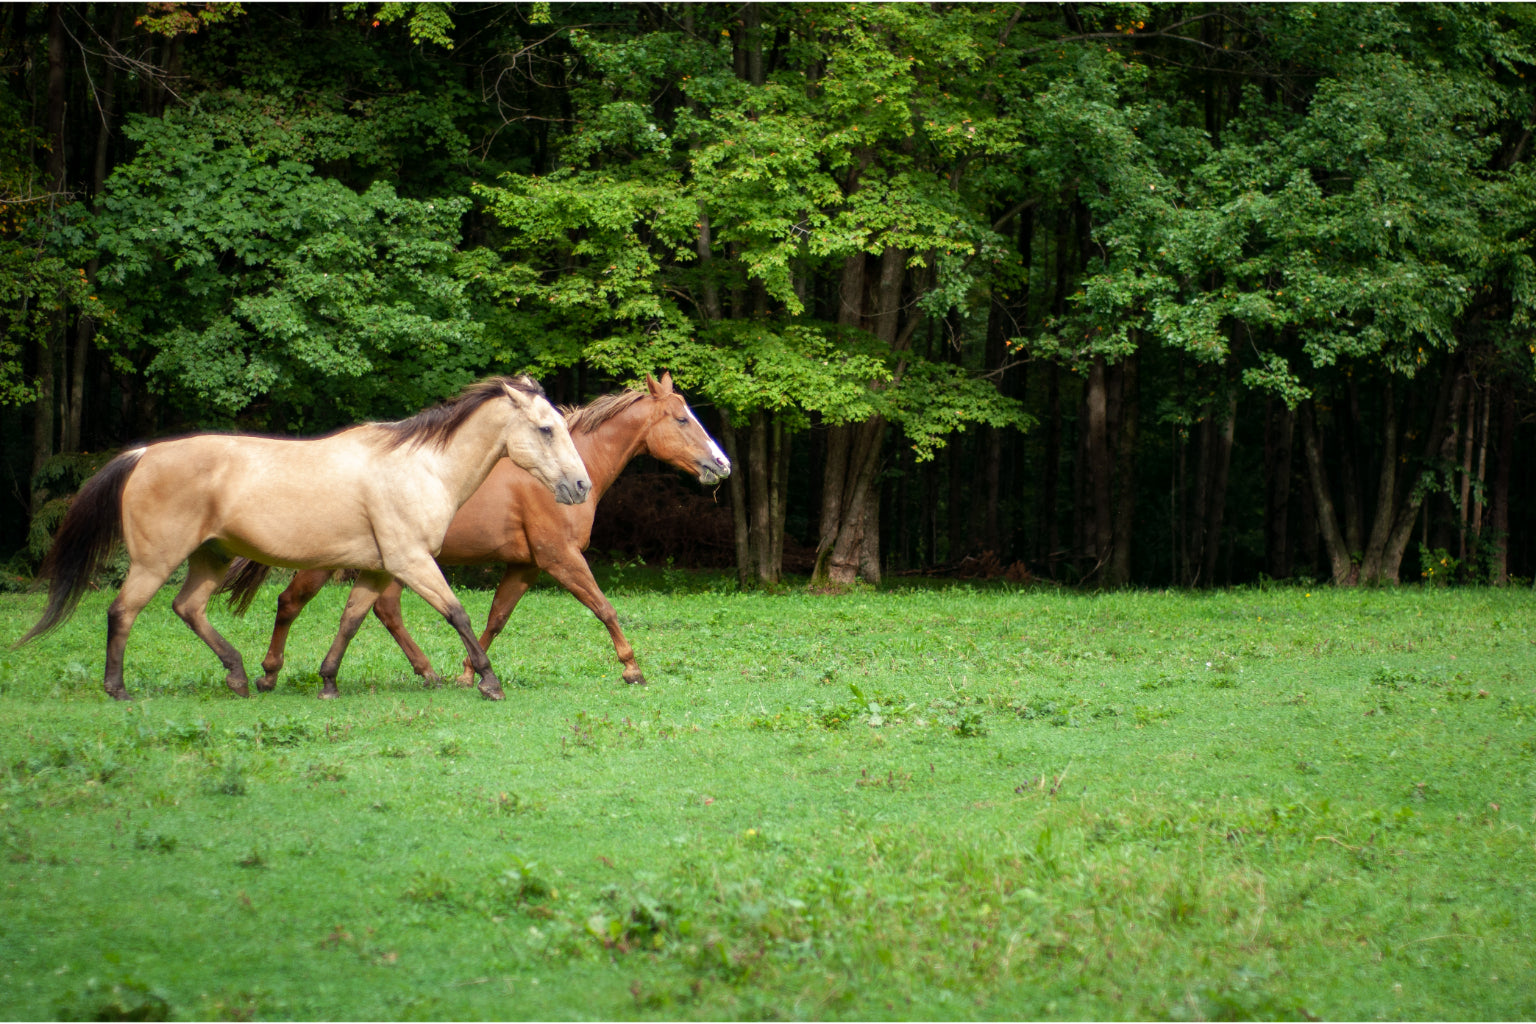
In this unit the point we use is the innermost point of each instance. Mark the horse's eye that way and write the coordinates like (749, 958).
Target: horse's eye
(683, 420)
(547, 431)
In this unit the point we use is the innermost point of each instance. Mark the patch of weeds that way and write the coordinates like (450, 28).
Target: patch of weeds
(581, 733)
(172, 735)
(254, 858)
(326, 771)
(65, 758)
(1397, 681)
(636, 921)
(430, 888)
(280, 733)
(1518, 711)
(778, 722)
(394, 750)
(1163, 681)
(340, 938)
(891, 781)
(520, 885)
(1063, 714)
(155, 842)
(873, 709)
(512, 803)
(969, 725)
(126, 999)
(230, 782)
(1145, 715)
(237, 1006)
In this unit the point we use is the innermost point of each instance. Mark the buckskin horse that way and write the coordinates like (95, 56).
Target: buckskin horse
(512, 520)
(376, 497)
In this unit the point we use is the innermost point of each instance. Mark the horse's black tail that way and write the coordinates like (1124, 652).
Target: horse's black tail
(241, 582)
(93, 524)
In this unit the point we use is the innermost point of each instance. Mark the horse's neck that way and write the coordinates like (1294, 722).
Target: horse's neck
(472, 451)
(608, 448)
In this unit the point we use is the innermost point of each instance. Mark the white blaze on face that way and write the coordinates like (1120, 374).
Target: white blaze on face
(714, 449)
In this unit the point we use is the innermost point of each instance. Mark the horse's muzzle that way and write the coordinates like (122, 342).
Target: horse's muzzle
(573, 493)
(712, 472)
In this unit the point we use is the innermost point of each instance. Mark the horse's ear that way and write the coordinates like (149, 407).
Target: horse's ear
(659, 389)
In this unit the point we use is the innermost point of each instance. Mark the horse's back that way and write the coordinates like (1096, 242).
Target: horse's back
(281, 501)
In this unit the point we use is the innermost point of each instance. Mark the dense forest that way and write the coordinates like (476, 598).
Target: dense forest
(1155, 294)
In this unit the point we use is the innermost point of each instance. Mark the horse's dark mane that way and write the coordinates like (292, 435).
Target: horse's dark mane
(587, 418)
(436, 425)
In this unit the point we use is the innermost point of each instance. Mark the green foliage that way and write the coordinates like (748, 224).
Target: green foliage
(248, 276)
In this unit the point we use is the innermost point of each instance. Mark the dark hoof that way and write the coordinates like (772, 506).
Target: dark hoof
(329, 693)
(431, 680)
(638, 680)
(239, 688)
(119, 695)
(266, 685)
(492, 692)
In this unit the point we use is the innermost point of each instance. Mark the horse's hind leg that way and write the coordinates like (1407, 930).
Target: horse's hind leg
(364, 593)
(290, 603)
(387, 608)
(514, 584)
(137, 590)
(205, 571)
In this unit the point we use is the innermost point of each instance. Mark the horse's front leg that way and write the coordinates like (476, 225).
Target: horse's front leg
(571, 571)
(423, 576)
(514, 584)
(290, 603)
(364, 593)
(205, 571)
(387, 609)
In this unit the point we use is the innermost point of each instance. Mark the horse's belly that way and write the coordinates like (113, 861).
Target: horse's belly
(303, 540)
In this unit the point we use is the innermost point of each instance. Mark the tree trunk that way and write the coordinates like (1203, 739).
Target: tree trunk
(1348, 425)
(1195, 514)
(1327, 519)
(1463, 505)
(1439, 449)
(1119, 573)
(46, 352)
(760, 547)
(1049, 535)
(1386, 491)
(778, 486)
(1503, 464)
(1216, 500)
(850, 540)
(834, 475)
(954, 453)
(1280, 424)
(1097, 470)
(739, 528)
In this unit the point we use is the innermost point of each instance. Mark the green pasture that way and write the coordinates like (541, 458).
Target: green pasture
(923, 803)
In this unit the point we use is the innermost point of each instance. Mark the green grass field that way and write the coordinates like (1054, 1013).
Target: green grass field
(947, 803)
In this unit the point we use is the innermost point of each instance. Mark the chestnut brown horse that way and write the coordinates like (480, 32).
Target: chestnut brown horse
(510, 519)
(377, 497)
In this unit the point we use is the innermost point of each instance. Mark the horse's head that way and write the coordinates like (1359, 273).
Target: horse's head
(677, 436)
(537, 440)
